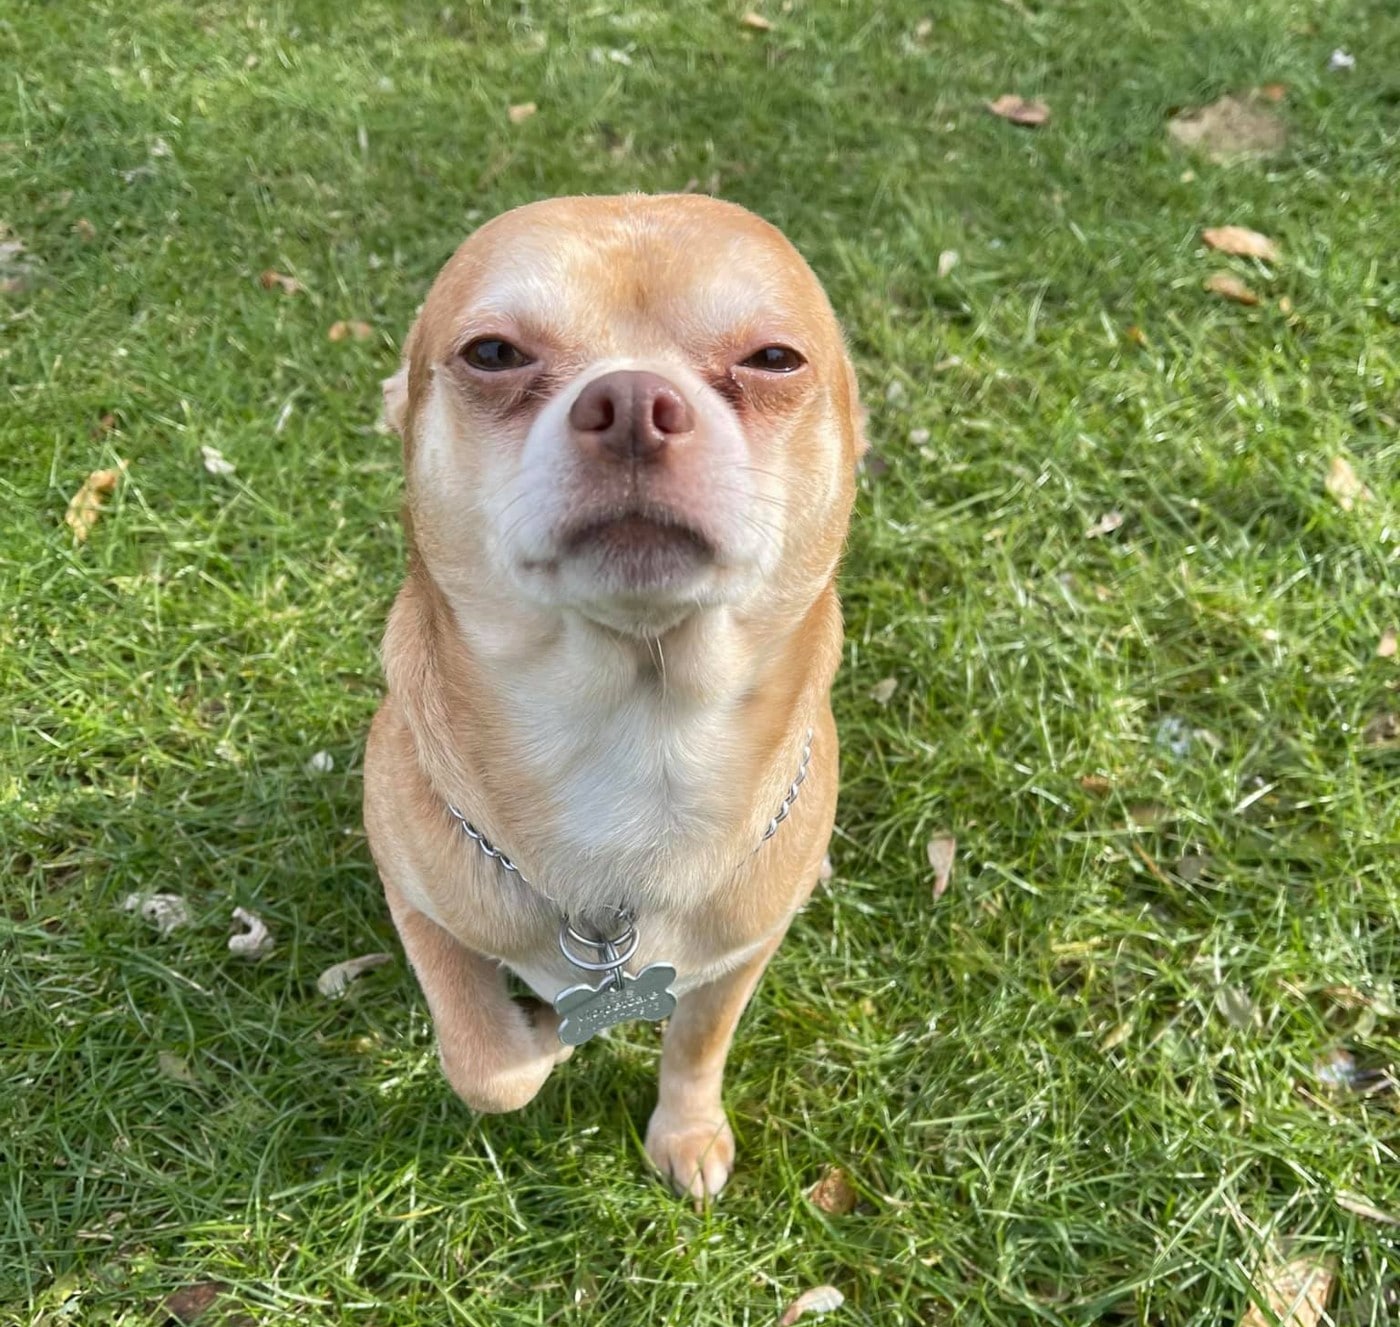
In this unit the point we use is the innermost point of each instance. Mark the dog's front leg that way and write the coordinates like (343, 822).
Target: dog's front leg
(495, 1051)
(689, 1139)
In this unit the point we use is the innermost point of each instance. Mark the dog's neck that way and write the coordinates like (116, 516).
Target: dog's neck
(612, 766)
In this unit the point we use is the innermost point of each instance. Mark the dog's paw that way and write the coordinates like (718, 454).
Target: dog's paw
(695, 1153)
(516, 1069)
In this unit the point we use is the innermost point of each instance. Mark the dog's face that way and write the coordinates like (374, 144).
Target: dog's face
(631, 408)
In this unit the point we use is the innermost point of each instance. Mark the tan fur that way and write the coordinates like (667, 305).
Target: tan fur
(477, 662)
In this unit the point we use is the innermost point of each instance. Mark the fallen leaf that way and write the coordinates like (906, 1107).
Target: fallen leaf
(883, 690)
(1358, 1206)
(360, 331)
(1229, 286)
(255, 941)
(1234, 1003)
(288, 285)
(187, 1303)
(1232, 128)
(1240, 241)
(1020, 110)
(336, 979)
(1387, 647)
(103, 426)
(1148, 815)
(1274, 92)
(216, 463)
(947, 260)
(86, 504)
(1117, 1037)
(85, 230)
(1344, 485)
(1382, 730)
(818, 1300)
(942, 849)
(173, 1067)
(1291, 1294)
(518, 114)
(756, 22)
(18, 270)
(1106, 524)
(166, 912)
(1096, 785)
(833, 1193)
(1136, 335)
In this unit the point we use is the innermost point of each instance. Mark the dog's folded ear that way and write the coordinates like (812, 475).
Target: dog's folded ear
(396, 400)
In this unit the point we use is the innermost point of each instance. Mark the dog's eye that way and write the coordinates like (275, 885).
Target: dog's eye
(774, 359)
(492, 355)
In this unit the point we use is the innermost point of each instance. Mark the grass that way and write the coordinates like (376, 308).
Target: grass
(1084, 1085)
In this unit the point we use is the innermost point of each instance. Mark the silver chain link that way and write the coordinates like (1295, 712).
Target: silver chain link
(626, 939)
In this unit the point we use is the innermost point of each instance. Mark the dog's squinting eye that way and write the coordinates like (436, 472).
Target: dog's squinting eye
(492, 355)
(774, 359)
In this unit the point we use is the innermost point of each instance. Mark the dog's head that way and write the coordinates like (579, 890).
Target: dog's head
(633, 408)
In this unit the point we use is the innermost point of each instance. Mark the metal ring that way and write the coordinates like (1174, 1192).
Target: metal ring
(630, 937)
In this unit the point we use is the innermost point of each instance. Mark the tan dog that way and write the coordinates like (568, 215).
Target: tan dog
(630, 429)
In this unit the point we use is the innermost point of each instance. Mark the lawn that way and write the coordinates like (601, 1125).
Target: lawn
(1146, 1044)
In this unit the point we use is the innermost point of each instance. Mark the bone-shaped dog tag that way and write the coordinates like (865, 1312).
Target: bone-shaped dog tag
(587, 1010)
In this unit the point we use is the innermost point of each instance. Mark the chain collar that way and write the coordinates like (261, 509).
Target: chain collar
(614, 951)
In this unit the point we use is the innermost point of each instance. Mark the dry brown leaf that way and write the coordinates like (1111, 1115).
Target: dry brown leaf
(1382, 730)
(818, 1300)
(521, 112)
(1232, 128)
(756, 22)
(255, 941)
(1028, 113)
(336, 979)
(1344, 484)
(85, 230)
(103, 426)
(187, 1303)
(174, 1067)
(1106, 524)
(288, 285)
(1096, 785)
(1388, 644)
(942, 849)
(1148, 815)
(86, 504)
(833, 1193)
(1136, 335)
(1295, 1293)
(1358, 1206)
(1274, 92)
(359, 331)
(1229, 286)
(1240, 241)
(884, 690)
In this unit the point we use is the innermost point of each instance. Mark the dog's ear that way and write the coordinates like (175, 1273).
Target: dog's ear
(396, 399)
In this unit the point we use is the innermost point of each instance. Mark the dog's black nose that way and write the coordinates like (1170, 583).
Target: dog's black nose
(629, 415)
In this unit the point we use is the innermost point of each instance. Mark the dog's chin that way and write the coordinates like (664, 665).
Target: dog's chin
(637, 573)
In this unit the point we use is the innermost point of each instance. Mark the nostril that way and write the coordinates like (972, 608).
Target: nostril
(669, 413)
(595, 411)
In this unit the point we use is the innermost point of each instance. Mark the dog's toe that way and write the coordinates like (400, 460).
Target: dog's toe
(695, 1154)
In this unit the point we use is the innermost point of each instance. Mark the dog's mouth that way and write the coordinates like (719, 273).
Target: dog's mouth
(638, 548)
